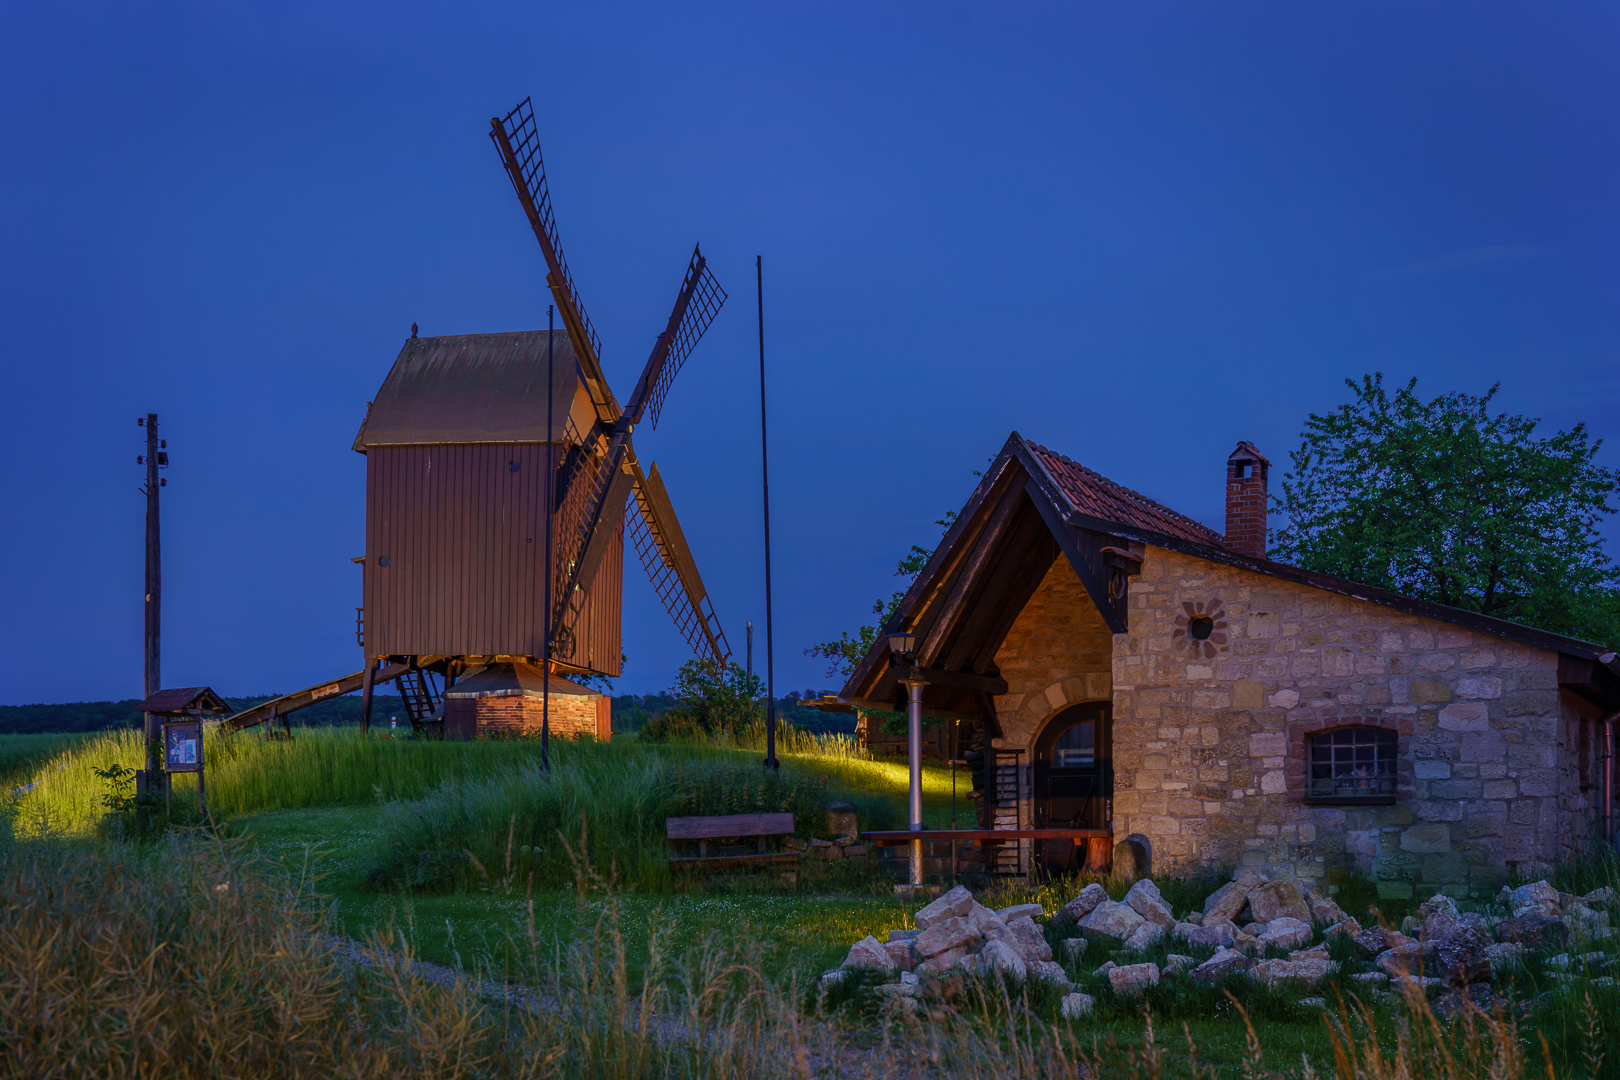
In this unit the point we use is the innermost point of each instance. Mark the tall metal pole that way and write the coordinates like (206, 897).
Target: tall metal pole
(765, 474)
(154, 591)
(914, 688)
(551, 474)
(750, 652)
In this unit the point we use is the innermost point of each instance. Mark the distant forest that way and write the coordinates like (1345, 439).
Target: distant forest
(630, 712)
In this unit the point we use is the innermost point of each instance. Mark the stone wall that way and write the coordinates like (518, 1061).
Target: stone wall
(1058, 652)
(1210, 736)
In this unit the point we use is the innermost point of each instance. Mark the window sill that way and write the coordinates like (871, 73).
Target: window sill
(1350, 800)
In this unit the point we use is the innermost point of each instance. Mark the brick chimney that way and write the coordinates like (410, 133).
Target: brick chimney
(1246, 500)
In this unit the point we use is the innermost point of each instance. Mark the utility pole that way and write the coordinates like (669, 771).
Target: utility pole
(765, 474)
(155, 456)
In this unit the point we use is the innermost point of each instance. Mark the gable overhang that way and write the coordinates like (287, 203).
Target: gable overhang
(985, 569)
(991, 560)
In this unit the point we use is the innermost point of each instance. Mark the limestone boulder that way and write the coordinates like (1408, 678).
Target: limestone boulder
(942, 962)
(1504, 956)
(903, 935)
(1077, 1005)
(1439, 904)
(1048, 972)
(1371, 941)
(870, 953)
(983, 919)
(1026, 939)
(1224, 904)
(1111, 919)
(1315, 952)
(1016, 911)
(1145, 936)
(1285, 932)
(1403, 959)
(1307, 971)
(1280, 899)
(1324, 910)
(830, 979)
(1534, 930)
(1072, 948)
(1345, 926)
(1600, 898)
(907, 986)
(953, 933)
(1585, 920)
(1133, 979)
(1535, 893)
(1219, 935)
(954, 904)
(998, 958)
(1145, 900)
(1082, 905)
(1461, 956)
(1225, 962)
(969, 964)
(1176, 964)
(901, 952)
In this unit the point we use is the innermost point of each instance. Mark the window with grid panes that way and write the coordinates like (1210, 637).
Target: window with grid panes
(1352, 765)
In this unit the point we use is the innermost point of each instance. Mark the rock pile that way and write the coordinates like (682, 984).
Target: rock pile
(1248, 922)
(956, 932)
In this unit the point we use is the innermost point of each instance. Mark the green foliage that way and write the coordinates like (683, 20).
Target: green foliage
(609, 799)
(1446, 501)
(713, 701)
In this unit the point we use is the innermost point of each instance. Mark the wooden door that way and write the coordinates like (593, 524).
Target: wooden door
(1073, 780)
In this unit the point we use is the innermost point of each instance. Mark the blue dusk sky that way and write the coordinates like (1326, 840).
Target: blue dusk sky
(1136, 233)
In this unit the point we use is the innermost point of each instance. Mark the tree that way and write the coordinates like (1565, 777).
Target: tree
(712, 701)
(1446, 501)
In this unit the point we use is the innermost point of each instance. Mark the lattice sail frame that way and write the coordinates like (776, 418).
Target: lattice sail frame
(707, 299)
(605, 452)
(525, 139)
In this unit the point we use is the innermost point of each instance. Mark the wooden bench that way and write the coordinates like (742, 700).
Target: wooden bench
(704, 829)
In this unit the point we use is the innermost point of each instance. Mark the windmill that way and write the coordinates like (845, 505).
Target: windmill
(476, 447)
(603, 469)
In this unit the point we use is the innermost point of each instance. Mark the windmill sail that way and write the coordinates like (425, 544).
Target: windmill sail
(601, 469)
(518, 141)
(699, 300)
(661, 545)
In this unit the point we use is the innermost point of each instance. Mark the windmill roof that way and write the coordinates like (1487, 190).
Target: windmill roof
(473, 388)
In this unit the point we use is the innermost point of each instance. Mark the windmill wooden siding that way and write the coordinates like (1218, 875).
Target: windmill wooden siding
(464, 538)
(455, 447)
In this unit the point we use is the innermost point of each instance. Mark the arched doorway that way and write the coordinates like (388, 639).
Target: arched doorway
(1073, 781)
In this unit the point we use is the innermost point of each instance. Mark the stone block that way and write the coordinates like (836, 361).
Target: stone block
(1247, 695)
(1428, 691)
(1424, 769)
(1474, 659)
(1338, 662)
(1422, 839)
(1269, 744)
(1479, 687)
(1465, 716)
(1501, 789)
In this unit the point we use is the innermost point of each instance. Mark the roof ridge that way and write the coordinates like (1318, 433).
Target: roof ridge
(1130, 492)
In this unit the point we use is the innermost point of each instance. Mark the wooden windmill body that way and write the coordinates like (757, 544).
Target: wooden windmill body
(479, 446)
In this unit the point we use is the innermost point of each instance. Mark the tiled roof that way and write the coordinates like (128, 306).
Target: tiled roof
(1089, 492)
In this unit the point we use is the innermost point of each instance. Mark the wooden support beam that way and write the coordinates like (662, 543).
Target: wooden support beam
(966, 680)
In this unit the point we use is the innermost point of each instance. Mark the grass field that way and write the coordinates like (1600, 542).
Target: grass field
(356, 812)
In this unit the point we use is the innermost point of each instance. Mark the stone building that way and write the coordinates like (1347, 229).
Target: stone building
(1114, 665)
